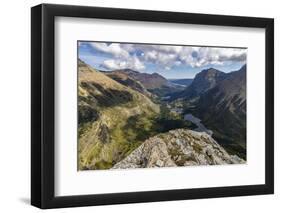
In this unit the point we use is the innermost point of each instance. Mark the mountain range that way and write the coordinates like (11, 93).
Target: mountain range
(152, 83)
(203, 81)
(223, 109)
(149, 81)
(120, 110)
(219, 100)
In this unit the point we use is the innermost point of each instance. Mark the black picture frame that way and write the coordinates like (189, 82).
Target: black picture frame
(43, 102)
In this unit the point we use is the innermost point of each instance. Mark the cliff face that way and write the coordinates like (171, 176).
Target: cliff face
(223, 110)
(202, 82)
(149, 81)
(179, 147)
(124, 79)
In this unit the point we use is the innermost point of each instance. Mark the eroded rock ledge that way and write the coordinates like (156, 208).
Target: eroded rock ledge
(179, 147)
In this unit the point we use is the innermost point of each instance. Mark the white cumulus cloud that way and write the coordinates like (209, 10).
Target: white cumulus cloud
(131, 63)
(114, 49)
(135, 56)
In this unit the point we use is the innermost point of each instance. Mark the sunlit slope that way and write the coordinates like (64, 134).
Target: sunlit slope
(105, 110)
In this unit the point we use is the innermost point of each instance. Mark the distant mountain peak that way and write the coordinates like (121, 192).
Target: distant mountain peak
(149, 81)
(210, 72)
(205, 80)
(127, 70)
(211, 69)
(156, 74)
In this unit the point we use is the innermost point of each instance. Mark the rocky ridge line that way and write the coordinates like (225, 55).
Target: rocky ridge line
(179, 147)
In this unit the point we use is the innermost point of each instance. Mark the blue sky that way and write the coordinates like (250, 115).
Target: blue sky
(173, 62)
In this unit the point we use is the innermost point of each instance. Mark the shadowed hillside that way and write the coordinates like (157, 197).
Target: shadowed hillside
(104, 106)
(223, 109)
(123, 112)
(219, 100)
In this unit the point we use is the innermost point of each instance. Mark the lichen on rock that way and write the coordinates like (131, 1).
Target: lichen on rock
(179, 147)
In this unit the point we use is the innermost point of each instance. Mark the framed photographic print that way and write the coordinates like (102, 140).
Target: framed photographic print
(140, 106)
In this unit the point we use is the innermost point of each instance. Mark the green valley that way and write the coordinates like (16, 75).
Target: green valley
(115, 119)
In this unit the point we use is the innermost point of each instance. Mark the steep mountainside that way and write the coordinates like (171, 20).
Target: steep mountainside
(229, 93)
(202, 82)
(144, 82)
(223, 109)
(125, 79)
(179, 147)
(105, 108)
(119, 125)
(149, 81)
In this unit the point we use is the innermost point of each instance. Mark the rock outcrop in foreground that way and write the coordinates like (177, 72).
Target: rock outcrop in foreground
(179, 147)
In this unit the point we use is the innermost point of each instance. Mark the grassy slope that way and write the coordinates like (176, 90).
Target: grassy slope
(115, 119)
(107, 139)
